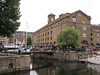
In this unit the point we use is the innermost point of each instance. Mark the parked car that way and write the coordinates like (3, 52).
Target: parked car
(25, 49)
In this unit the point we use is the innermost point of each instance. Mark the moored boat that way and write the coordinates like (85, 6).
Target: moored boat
(95, 59)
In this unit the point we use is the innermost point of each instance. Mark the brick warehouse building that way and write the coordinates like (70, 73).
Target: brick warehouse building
(47, 35)
(20, 37)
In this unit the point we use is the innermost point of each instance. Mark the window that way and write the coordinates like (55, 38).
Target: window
(97, 34)
(48, 38)
(63, 21)
(54, 30)
(48, 33)
(96, 30)
(73, 26)
(84, 34)
(91, 34)
(79, 14)
(45, 34)
(51, 32)
(91, 39)
(45, 29)
(83, 22)
(43, 39)
(59, 23)
(63, 27)
(97, 39)
(58, 29)
(54, 26)
(84, 28)
(74, 19)
(51, 38)
(54, 36)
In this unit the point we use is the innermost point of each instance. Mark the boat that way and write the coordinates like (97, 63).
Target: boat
(95, 59)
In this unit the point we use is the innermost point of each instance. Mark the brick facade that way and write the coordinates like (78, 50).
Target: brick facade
(20, 36)
(47, 35)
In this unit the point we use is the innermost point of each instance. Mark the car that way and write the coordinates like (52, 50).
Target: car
(25, 49)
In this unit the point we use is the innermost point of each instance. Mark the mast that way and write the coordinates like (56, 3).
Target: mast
(26, 32)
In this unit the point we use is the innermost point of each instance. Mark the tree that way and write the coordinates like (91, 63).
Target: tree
(68, 37)
(9, 16)
(29, 41)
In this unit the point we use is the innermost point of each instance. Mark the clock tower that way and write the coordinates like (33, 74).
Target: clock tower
(51, 17)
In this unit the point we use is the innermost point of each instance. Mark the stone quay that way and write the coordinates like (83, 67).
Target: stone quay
(63, 56)
(13, 63)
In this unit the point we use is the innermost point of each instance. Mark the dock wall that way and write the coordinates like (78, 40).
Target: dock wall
(14, 63)
(63, 56)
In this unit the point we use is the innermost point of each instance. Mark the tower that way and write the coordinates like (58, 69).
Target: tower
(51, 17)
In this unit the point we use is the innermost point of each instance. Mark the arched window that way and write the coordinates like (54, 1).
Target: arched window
(84, 43)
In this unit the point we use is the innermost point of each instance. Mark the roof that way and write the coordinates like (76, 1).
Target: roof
(89, 17)
(51, 14)
(95, 26)
(63, 16)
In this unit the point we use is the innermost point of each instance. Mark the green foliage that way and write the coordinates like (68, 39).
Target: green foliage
(29, 41)
(9, 16)
(68, 37)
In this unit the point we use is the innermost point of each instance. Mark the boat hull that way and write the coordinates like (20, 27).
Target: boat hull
(94, 61)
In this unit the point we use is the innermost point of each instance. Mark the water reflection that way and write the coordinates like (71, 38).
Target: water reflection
(48, 67)
(94, 68)
(33, 72)
(52, 67)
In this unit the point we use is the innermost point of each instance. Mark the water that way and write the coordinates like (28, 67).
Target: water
(52, 67)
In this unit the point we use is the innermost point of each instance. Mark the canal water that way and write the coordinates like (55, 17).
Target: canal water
(52, 67)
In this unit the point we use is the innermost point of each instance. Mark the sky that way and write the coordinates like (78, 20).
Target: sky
(35, 12)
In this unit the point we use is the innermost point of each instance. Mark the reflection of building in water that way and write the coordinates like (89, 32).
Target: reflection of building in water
(49, 67)
(45, 69)
(21, 73)
(54, 68)
(95, 68)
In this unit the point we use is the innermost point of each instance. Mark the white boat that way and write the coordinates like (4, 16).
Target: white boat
(12, 46)
(95, 59)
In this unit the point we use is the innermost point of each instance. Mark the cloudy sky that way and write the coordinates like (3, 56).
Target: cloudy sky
(34, 12)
